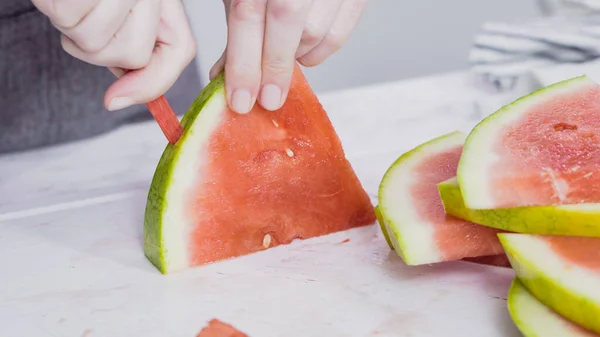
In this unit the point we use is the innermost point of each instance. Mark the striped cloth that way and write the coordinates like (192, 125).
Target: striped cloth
(503, 53)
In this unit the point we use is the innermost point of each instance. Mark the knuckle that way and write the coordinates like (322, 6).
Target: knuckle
(312, 35)
(242, 70)
(276, 67)
(247, 10)
(137, 60)
(334, 41)
(89, 45)
(61, 16)
(312, 59)
(88, 42)
(285, 9)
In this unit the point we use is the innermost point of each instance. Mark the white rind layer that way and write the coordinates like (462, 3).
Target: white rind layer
(187, 170)
(479, 155)
(534, 251)
(411, 236)
(535, 319)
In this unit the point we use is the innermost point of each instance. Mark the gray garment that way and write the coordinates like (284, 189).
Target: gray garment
(48, 97)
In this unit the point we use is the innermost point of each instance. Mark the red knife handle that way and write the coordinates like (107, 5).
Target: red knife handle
(166, 118)
(163, 114)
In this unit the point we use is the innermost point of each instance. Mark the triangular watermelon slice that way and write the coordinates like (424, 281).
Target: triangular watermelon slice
(535, 319)
(216, 328)
(411, 210)
(562, 272)
(237, 184)
(543, 149)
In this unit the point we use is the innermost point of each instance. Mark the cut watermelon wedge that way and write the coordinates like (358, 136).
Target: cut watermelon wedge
(579, 220)
(562, 272)
(412, 212)
(216, 328)
(535, 319)
(541, 150)
(237, 184)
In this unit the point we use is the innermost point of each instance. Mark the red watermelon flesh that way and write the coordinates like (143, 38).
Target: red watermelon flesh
(217, 328)
(251, 181)
(581, 251)
(455, 237)
(543, 149)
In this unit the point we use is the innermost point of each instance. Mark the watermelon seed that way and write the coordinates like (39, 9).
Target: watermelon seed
(564, 126)
(289, 152)
(275, 123)
(267, 241)
(587, 175)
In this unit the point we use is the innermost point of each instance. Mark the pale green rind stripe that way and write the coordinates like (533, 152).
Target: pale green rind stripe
(578, 220)
(382, 227)
(534, 319)
(572, 306)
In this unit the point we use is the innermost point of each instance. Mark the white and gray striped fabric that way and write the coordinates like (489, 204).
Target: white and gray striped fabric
(502, 53)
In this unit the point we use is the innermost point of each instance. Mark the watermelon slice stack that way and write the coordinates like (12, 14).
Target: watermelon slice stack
(524, 184)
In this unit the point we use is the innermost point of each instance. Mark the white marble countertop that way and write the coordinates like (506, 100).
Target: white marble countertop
(71, 222)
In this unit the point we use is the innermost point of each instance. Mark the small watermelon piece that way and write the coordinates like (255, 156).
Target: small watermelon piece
(578, 220)
(541, 150)
(236, 184)
(534, 319)
(412, 212)
(562, 272)
(216, 328)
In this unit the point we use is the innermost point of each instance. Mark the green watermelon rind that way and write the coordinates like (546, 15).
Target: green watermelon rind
(479, 144)
(399, 242)
(155, 249)
(569, 303)
(577, 220)
(515, 293)
(381, 222)
(534, 319)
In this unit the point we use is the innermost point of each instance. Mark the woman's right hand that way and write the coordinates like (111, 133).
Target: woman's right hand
(151, 37)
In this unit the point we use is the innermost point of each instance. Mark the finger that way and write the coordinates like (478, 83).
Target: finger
(285, 23)
(132, 46)
(347, 19)
(246, 24)
(175, 49)
(321, 17)
(217, 67)
(96, 30)
(65, 13)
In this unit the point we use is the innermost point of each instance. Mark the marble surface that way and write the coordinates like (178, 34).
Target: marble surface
(72, 262)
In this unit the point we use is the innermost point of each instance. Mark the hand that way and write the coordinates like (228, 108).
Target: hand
(266, 37)
(151, 37)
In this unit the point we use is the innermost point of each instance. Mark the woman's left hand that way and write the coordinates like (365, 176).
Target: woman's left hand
(266, 37)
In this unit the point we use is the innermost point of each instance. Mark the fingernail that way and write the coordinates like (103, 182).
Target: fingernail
(119, 103)
(241, 101)
(270, 97)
